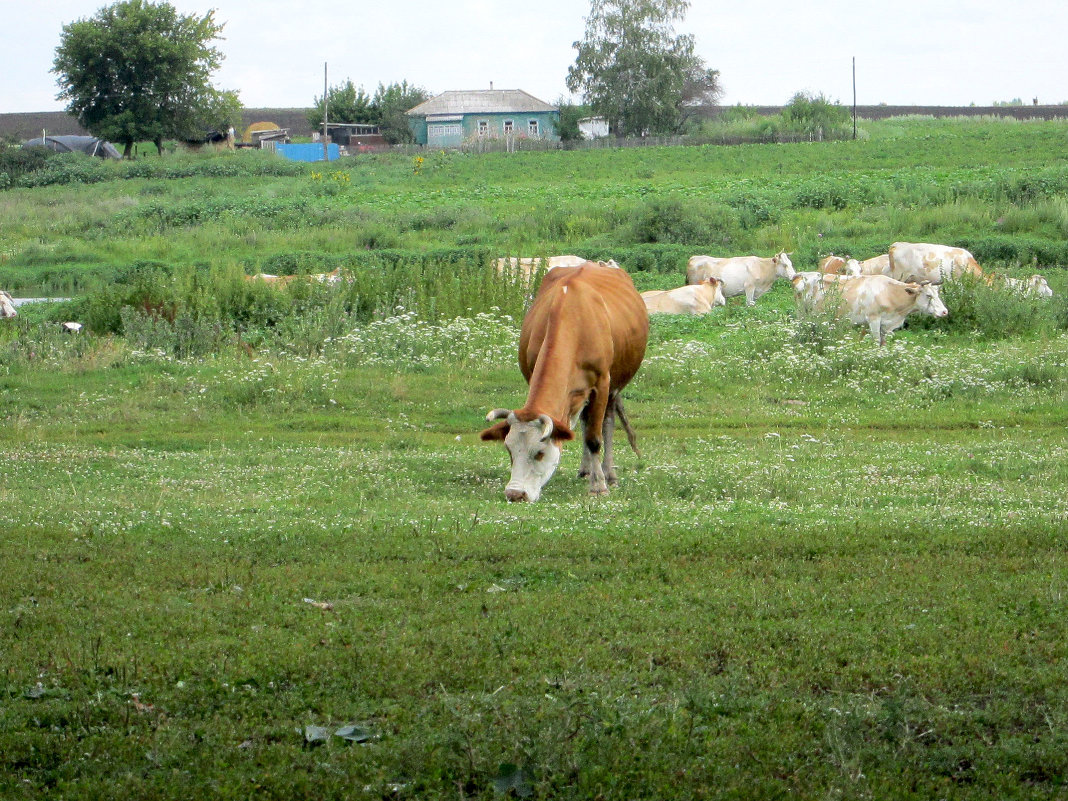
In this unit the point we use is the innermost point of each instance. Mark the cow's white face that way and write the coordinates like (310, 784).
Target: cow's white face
(717, 297)
(852, 267)
(784, 268)
(1040, 287)
(7, 306)
(930, 302)
(534, 452)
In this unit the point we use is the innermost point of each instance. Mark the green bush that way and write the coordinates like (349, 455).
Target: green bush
(673, 220)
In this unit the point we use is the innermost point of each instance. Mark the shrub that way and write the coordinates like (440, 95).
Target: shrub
(992, 311)
(673, 220)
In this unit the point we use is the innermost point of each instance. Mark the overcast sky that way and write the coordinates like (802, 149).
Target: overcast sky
(923, 52)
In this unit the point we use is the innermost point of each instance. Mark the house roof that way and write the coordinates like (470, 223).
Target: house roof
(481, 101)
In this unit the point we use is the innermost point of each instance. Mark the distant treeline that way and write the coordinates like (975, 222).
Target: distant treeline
(30, 125)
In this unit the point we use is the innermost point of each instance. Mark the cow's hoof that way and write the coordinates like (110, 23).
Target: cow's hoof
(611, 479)
(598, 490)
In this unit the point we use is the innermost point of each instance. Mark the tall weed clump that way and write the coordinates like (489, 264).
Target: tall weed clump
(994, 311)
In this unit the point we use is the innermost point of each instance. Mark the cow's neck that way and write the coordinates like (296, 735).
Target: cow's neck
(558, 384)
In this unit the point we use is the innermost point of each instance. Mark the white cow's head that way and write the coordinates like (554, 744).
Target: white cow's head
(534, 447)
(784, 268)
(852, 267)
(1038, 285)
(7, 306)
(717, 286)
(928, 301)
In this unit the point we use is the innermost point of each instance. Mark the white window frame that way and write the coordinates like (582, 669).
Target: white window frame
(532, 129)
(483, 127)
(509, 127)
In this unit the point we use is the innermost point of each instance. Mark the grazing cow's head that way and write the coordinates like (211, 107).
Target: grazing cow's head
(7, 306)
(784, 268)
(534, 447)
(852, 267)
(928, 300)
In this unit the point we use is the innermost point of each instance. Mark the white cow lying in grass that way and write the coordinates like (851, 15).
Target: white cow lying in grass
(881, 302)
(1035, 285)
(7, 306)
(689, 299)
(751, 275)
(527, 268)
(919, 261)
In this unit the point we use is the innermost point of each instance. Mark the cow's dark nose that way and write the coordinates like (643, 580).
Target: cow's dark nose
(515, 494)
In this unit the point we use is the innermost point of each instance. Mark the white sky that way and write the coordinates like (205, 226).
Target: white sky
(916, 52)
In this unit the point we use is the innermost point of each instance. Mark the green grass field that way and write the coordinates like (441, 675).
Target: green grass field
(835, 571)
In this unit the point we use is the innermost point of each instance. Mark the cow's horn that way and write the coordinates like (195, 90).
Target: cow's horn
(546, 426)
(498, 414)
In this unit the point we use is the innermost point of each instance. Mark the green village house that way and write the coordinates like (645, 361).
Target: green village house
(453, 118)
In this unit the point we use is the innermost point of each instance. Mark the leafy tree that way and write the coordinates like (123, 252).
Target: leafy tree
(633, 70)
(570, 114)
(347, 104)
(139, 71)
(391, 103)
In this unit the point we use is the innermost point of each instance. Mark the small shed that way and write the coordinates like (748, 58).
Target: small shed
(452, 118)
(89, 145)
(593, 127)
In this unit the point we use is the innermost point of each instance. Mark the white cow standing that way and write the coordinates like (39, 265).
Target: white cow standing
(690, 299)
(751, 275)
(883, 303)
(7, 306)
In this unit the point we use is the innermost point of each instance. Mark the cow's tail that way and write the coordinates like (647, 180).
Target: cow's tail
(621, 415)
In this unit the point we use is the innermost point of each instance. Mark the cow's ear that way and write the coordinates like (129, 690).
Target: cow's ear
(498, 431)
(562, 431)
(912, 289)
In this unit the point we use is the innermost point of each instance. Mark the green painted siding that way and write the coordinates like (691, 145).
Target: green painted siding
(526, 124)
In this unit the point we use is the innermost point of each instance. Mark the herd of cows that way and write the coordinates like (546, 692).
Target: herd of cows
(585, 334)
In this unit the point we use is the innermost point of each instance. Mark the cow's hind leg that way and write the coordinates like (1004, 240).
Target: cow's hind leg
(607, 430)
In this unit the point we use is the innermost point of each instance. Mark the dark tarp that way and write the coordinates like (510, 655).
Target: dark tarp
(76, 144)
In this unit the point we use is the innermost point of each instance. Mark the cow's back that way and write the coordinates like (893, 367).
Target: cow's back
(598, 298)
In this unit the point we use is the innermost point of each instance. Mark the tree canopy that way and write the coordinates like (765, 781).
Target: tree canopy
(635, 71)
(140, 71)
(386, 108)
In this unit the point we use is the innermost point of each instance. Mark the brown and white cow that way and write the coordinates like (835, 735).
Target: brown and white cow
(690, 299)
(751, 275)
(832, 264)
(918, 261)
(582, 340)
(7, 306)
(877, 265)
(883, 303)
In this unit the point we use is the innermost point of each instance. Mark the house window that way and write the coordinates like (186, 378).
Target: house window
(508, 128)
(483, 127)
(532, 128)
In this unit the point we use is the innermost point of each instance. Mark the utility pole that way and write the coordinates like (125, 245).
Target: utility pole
(326, 109)
(854, 97)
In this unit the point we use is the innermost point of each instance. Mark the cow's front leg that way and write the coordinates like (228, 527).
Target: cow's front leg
(592, 437)
(750, 295)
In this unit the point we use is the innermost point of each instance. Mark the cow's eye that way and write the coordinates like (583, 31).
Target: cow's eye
(539, 456)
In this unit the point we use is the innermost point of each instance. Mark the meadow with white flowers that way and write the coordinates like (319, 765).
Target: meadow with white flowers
(254, 548)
